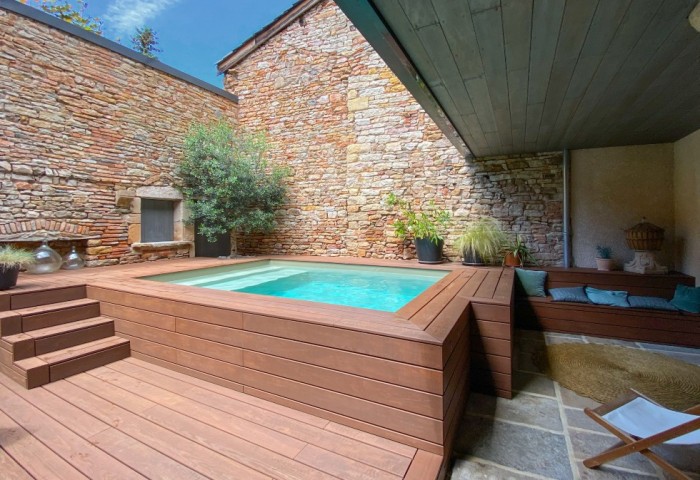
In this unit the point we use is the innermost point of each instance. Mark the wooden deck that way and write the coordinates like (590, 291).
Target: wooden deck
(133, 419)
(403, 377)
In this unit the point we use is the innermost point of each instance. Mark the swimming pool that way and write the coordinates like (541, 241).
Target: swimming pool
(372, 287)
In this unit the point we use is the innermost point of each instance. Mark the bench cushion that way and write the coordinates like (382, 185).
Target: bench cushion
(687, 298)
(653, 303)
(614, 298)
(532, 282)
(569, 294)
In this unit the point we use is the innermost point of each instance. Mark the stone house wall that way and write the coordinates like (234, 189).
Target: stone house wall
(83, 130)
(352, 133)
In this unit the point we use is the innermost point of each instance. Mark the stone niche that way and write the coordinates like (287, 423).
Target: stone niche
(179, 244)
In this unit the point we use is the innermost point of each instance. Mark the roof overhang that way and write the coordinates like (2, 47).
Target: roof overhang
(517, 76)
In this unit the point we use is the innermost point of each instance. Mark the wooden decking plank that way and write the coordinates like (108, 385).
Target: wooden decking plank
(39, 460)
(173, 445)
(374, 440)
(80, 453)
(425, 316)
(339, 466)
(236, 426)
(504, 290)
(58, 409)
(225, 392)
(142, 458)
(488, 286)
(413, 307)
(382, 458)
(474, 283)
(425, 466)
(11, 469)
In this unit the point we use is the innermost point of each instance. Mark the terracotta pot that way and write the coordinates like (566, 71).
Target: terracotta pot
(604, 264)
(512, 260)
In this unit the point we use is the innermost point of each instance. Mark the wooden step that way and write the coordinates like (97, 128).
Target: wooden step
(21, 297)
(53, 366)
(27, 319)
(49, 339)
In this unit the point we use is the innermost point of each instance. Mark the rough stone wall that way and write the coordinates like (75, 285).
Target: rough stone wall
(78, 123)
(352, 133)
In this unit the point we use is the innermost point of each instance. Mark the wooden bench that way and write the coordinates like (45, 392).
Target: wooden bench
(678, 328)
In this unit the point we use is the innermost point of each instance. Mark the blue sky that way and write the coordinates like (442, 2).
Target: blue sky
(193, 34)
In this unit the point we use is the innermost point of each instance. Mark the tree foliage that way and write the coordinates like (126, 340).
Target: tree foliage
(65, 11)
(226, 181)
(145, 41)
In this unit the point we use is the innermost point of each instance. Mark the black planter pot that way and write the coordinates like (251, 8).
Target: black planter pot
(472, 259)
(429, 252)
(8, 277)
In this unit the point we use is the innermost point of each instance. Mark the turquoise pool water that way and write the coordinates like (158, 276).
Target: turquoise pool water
(377, 288)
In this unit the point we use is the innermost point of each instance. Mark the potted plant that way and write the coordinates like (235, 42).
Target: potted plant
(603, 258)
(11, 260)
(481, 241)
(516, 253)
(424, 227)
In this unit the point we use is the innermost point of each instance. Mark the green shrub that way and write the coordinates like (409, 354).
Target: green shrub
(422, 224)
(11, 257)
(227, 183)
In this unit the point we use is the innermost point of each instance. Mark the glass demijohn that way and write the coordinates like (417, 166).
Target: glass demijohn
(73, 260)
(46, 260)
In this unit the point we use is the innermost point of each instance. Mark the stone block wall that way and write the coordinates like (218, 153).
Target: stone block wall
(80, 123)
(352, 134)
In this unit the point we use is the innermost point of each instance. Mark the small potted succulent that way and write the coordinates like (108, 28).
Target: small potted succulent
(481, 242)
(425, 227)
(603, 258)
(11, 261)
(516, 253)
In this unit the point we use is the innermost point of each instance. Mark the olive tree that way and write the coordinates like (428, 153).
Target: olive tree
(227, 183)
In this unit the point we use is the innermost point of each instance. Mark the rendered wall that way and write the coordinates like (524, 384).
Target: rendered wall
(352, 134)
(79, 123)
(686, 176)
(612, 189)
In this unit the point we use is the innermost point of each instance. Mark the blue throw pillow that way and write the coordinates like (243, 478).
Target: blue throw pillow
(653, 303)
(687, 298)
(532, 281)
(569, 294)
(614, 298)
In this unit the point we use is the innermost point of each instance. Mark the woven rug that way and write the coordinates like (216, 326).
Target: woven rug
(604, 372)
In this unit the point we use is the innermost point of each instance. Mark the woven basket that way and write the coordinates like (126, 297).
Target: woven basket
(645, 236)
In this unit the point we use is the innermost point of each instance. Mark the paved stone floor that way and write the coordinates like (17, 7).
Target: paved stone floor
(542, 433)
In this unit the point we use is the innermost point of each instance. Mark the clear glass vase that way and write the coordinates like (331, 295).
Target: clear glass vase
(46, 260)
(73, 260)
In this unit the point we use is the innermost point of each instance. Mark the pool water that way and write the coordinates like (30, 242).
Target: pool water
(377, 288)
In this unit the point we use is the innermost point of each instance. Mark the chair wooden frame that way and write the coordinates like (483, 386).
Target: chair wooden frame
(630, 444)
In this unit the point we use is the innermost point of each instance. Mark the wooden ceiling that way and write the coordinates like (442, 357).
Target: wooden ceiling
(517, 76)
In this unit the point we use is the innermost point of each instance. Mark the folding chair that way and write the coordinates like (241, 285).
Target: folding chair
(641, 423)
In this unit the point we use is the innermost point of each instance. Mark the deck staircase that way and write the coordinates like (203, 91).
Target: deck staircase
(50, 334)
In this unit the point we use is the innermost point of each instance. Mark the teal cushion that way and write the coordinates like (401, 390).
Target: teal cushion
(614, 298)
(532, 281)
(687, 298)
(653, 303)
(569, 294)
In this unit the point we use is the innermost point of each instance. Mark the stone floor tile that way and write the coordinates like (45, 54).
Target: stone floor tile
(683, 357)
(669, 348)
(524, 362)
(576, 418)
(523, 408)
(529, 335)
(611, 341)
(587, 444)
(533, 383)
(572, 399)
(605, 472)
(527, 449)
(474, 469)
(684, 457)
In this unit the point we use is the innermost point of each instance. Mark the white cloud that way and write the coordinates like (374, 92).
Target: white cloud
(126, 15)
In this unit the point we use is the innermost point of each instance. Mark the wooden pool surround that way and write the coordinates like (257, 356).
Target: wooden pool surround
(402, 376)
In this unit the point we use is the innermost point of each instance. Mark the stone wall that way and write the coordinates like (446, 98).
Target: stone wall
(352, 133)
(82, 127)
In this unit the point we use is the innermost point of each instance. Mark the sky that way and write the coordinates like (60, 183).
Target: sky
(193, 34)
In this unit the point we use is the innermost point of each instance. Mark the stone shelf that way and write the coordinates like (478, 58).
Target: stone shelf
(161, 245)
